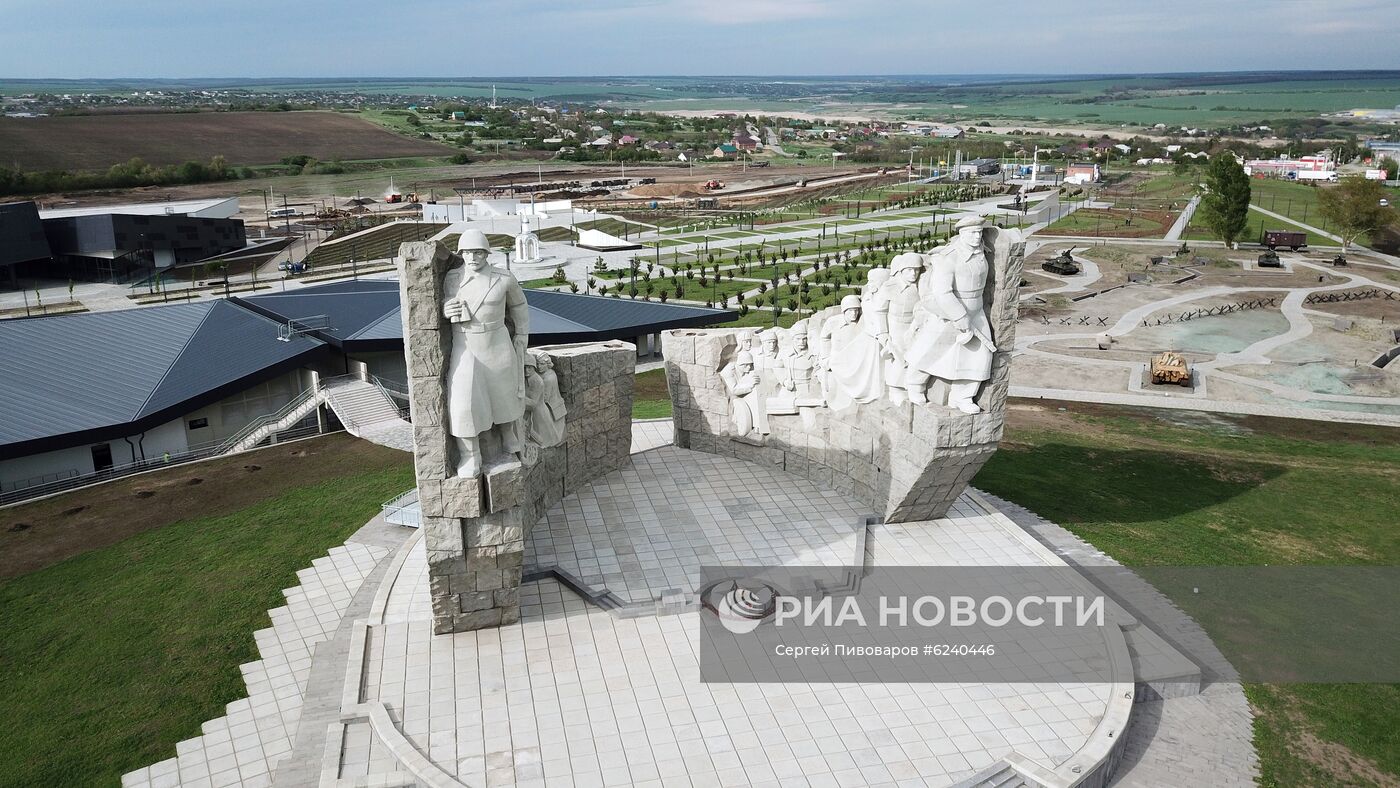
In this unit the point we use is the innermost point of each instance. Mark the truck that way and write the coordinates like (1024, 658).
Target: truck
(1276, 238)
(1329, 176)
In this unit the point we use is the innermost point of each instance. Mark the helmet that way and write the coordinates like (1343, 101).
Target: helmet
(850, 302)
(906, 261)
(472, 240)
(744, 357)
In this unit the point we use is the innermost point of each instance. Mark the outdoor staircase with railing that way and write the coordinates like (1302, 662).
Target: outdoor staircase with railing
(368, 410)
(268, 426)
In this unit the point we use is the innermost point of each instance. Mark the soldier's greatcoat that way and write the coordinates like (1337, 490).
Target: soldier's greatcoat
(485, 374)
(951, 291)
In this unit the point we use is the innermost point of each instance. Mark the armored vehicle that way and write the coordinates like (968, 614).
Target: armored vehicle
(1170, 367)
(1064, 265)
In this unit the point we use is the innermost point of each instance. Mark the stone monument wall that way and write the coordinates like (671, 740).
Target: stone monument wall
(907, 461)
(475, 528)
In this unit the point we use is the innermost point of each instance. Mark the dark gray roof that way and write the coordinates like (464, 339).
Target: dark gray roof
(364, 314)
(358, 309)
(121, 372)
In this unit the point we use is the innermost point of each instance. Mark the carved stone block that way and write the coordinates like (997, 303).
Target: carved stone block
(907, 461)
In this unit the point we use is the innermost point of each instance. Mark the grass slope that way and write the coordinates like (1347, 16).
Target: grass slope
(1154, 493)
(115, 655)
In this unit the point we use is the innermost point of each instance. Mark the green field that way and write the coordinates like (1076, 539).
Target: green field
(1192, 99)
(1231, 492)
(116, 654)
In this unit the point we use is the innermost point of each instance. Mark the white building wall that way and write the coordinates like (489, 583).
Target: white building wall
(225, 418)
(49, 466)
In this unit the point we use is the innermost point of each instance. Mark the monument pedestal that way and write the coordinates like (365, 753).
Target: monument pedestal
(475, 528)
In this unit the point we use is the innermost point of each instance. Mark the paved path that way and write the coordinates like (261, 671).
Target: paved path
(1210, 405)
(325, 683)
(1179, 226)
(1205, 739)
(1300, 326)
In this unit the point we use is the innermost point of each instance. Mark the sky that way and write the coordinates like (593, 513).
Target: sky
(464, 38)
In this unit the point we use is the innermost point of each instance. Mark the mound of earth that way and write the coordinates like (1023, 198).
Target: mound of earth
(668, 190)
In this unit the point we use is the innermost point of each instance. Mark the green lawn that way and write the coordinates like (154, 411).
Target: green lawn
(113, 656)
(650, 399)
(1150, 493)
(1254, 231)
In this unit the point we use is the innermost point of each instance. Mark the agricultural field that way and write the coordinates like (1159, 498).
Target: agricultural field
(91, 142)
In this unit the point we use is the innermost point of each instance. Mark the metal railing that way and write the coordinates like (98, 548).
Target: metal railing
(192, 454)
(33, 481)
(403, 510)
(272, 418)
(396, 392)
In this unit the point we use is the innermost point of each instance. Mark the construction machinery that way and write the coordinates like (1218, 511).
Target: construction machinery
(1064, 264)
(1170, 367)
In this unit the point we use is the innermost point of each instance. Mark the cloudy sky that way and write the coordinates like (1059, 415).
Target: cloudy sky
(315, 38)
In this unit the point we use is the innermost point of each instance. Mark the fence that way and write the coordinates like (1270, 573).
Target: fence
(196, 453)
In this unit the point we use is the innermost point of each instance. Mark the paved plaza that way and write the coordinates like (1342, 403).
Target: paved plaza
(358, 691)
(644, 533)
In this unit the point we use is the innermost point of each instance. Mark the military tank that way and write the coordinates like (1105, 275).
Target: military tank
(1170, 368)
(1064, 264)
(1269, 259)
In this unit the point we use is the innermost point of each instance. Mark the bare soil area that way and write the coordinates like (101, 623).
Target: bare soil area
(91, 142)
(45, 532)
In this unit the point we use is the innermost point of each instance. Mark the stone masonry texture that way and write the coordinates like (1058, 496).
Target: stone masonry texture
(908, 462)
(475, 529)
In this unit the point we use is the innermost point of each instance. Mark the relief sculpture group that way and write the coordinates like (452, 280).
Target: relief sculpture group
(920, 323)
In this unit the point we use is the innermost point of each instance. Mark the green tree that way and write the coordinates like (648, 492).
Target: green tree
(1224, 208)
(1354, 206)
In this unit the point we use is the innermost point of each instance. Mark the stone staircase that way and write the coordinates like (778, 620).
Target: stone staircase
(998, 775)
(368, 412)
(245, 746)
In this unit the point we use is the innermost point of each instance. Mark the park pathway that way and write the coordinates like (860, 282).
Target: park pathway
(1183, 221)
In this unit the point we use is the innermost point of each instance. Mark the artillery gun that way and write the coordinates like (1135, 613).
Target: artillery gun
(1170, 367)
(1064, 265)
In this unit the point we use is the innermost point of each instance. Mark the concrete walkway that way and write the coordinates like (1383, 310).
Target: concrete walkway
(1300, 326)
(1182, 221)
(1204, 739)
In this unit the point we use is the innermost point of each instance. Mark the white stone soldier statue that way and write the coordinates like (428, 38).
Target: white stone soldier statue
(853, 358)
(800, 370)
(900, 313)
(746, 401)
(954, 341)
(767, 363)
(545, 412)
(490, 326)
